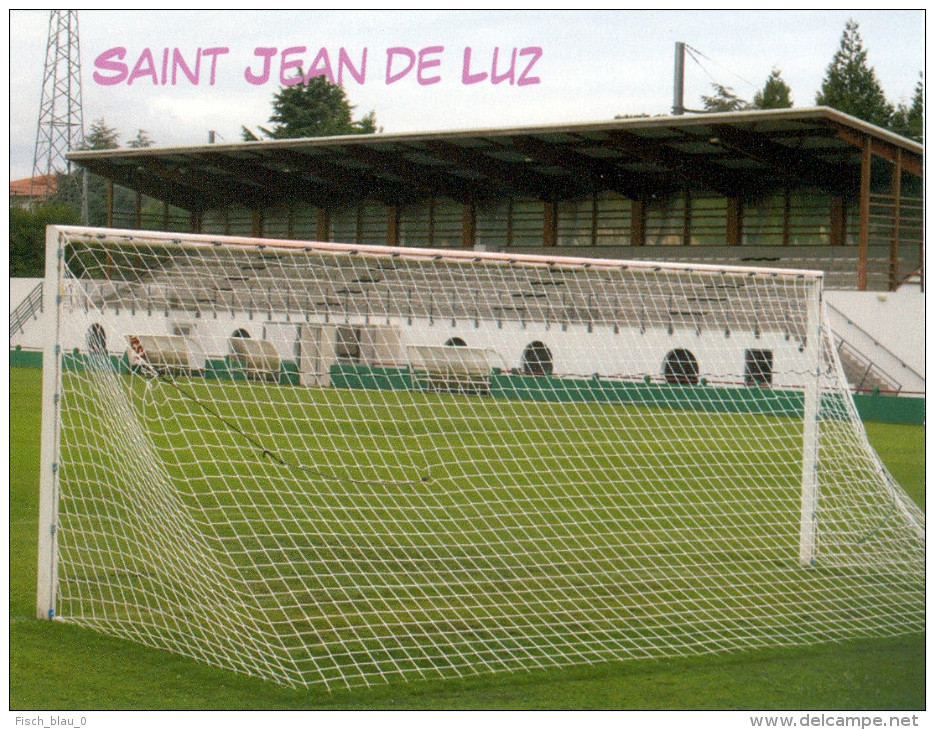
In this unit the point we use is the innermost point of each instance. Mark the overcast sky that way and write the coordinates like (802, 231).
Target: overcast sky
(569, 67)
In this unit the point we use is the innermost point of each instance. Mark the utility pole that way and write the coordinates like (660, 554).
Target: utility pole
(61, 121)
(678, 93)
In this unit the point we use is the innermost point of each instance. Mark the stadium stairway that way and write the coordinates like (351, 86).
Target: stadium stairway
(26, 312)
(867, 363)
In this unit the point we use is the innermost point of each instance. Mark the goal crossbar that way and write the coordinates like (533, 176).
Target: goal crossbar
(449, 254)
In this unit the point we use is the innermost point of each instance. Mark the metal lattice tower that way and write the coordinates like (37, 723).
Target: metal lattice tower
(61, 122)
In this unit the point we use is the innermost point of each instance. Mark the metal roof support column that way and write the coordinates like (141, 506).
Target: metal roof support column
(509, 222)
(468, 224)
(922, 269)
(838, 221)
(863, 238)
(110, 204)
(687, 219)
(595, 211)
(392, 225)
(734, 221)
(549, 223)
(894, 236)
(323, 225)
(638, 223)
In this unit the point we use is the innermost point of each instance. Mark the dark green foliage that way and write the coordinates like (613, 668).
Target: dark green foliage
(72, 188)
(317, 108)
(723, 100)
(141, 140)
(77, 186)
(908, 120)
(775, 94)
(850, 84)
(27, 235)
(101, 137)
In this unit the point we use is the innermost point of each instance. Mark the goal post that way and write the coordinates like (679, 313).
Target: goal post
(318, 463)
(811, 395)
(47, 571)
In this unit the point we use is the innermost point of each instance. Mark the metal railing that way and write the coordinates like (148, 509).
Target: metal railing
(872, 368)
(26, 310)
(862, 373)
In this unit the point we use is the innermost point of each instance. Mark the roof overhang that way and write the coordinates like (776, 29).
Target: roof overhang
(733, 154)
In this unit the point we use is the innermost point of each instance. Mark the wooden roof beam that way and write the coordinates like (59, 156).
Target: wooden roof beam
(424, 180)
(512, 177)
(694, 172)
(282, 186)
(792, 164)
(221, 189)
(131, 175)
(911, 163)
(340, 184)
(593, 174)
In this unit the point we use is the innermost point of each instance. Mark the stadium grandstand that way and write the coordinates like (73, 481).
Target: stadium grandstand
(784, 187)
(793, 188)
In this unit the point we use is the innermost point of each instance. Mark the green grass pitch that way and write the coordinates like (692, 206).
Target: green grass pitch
(65, 667)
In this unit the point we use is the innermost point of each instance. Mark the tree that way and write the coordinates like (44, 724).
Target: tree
(724, 100)
(27, 234)
(141, 141)
(851, 86)
(71, 188)
(314, 109)
(101, 137)
(908, 120)
(775, 94)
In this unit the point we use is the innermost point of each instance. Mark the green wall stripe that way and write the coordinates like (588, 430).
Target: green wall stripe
(876, 407)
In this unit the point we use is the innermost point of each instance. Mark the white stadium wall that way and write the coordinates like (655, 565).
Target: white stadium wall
(505, 341)
(895, 321)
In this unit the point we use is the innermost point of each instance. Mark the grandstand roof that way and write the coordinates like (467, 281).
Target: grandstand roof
(731, 154)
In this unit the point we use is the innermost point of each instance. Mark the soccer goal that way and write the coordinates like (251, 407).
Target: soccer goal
(463, 462)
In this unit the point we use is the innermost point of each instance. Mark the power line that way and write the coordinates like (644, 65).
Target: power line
(692, 51)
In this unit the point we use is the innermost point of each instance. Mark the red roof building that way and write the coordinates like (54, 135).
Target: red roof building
(29, 189)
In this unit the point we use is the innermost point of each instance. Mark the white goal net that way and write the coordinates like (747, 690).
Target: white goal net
(317, 463)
